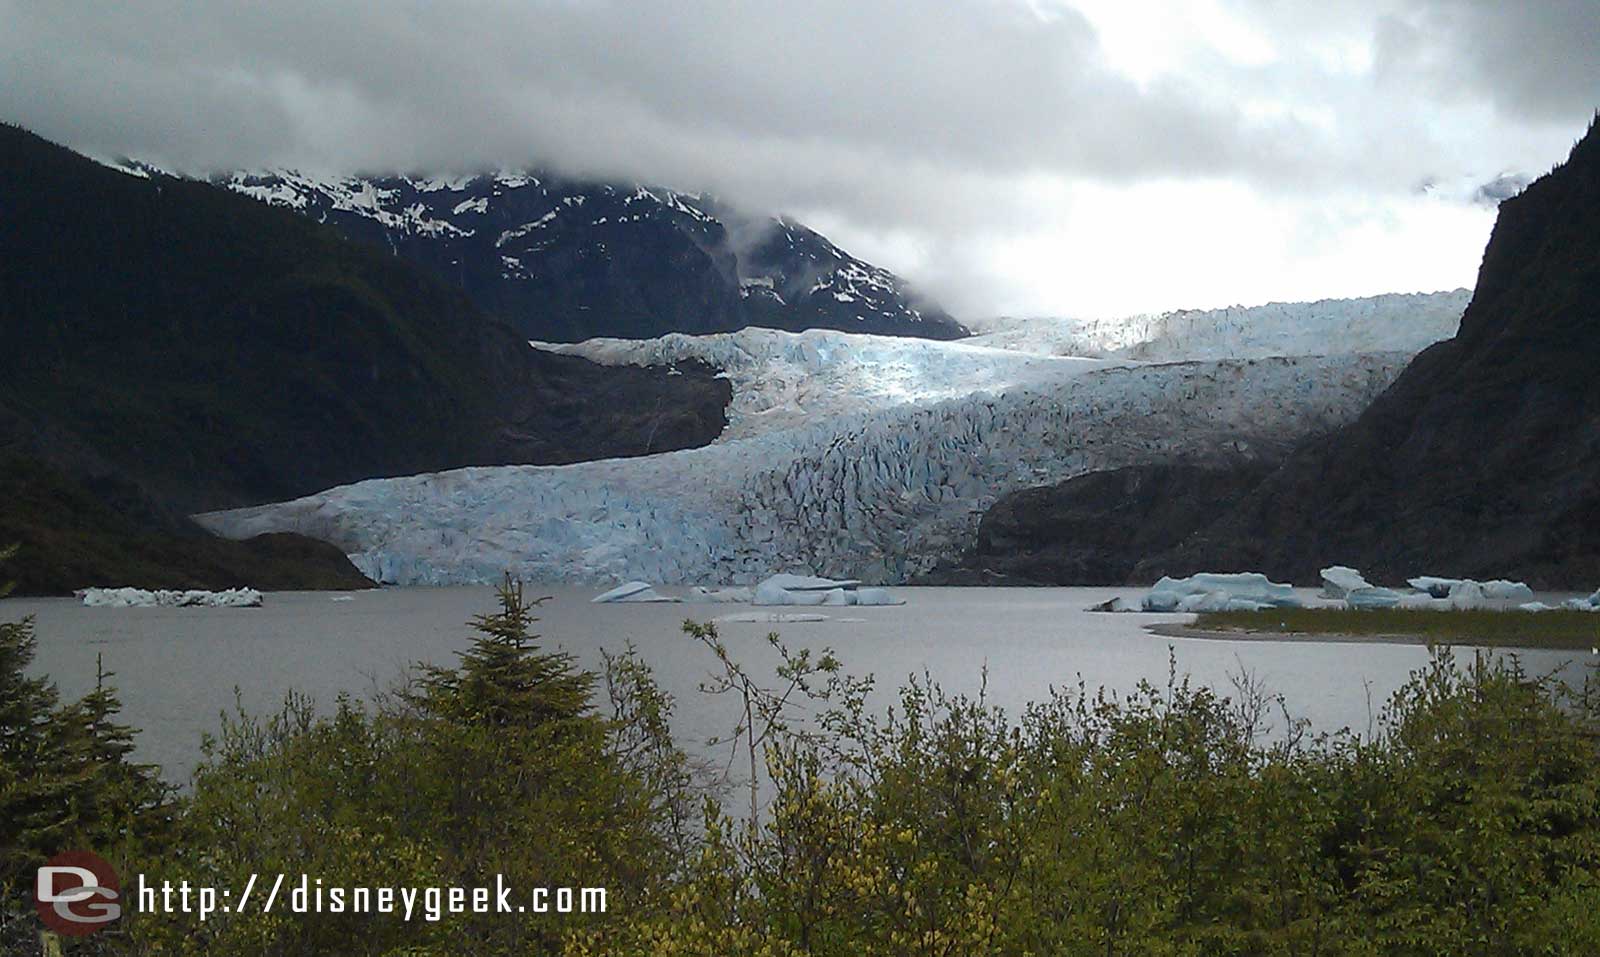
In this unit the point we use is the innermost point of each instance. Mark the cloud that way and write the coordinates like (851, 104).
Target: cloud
(938, 135)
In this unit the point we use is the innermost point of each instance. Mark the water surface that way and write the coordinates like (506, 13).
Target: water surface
(177, 668)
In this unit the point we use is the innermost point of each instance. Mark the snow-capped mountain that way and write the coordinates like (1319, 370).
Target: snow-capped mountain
(563, 260)
(1396, 322)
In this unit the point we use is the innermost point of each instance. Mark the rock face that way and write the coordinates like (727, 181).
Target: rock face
(1483, 459)
(562, 260)
(1095, 528)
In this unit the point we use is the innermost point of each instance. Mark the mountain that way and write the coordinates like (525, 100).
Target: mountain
(192, 349)
(562, 260)
(1483, 458)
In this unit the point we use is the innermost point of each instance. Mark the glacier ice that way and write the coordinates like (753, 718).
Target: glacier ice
(1501, 590)
(1372, 596)
(1340, 580)
(631, 591)
(1468, 596)
(785, 589)
(1215, 591)
(1436, 587)
(1496, 590)
(720, 596)
(1393, 322)
(141, 598)
(783, 380)
(878, 494)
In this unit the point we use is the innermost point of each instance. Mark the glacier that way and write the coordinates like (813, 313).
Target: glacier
(1394, 322)
(869, 458)
(785, 380)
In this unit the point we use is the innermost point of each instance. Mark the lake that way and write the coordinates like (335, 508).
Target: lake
(176, 668)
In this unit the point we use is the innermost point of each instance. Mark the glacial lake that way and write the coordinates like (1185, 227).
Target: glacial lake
(177, 668)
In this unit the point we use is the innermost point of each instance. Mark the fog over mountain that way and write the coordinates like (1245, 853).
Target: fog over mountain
(1005, 155)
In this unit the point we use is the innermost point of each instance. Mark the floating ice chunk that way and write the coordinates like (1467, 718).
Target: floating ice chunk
(720, 596)
(1118, 604)
(1340, 580)
(1371, 596)
(877, 596)
(1468, 596)
(1535, 606)
(1435, 587)
(784, 589)
(771, 617)
(1423, 602)
(1498, 590)
(809, 582)
(140, 598)
(1502, 590)
(1170, 594)
(630, 592)
(1219, 601)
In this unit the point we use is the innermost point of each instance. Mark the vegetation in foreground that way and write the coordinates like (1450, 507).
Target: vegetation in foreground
(1169, 822)
(1495, 629)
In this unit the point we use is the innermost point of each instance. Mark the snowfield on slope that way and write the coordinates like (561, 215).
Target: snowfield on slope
(785, 380)
(879, 495)
(1397, 322)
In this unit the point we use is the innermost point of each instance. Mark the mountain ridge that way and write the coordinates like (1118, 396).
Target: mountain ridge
(563, 259)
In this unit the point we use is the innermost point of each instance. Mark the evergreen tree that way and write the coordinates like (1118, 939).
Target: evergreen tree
(35, 778)
(504, 680)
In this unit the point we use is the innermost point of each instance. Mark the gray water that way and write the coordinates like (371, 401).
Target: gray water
(177, 668)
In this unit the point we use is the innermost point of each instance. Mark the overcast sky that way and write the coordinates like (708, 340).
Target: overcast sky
(1097, 157)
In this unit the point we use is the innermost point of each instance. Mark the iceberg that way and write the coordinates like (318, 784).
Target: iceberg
(1498, 590)
(632, 592)
(1592, 603)
(1214, 591)
(770, 617)
(1435, 587)
(1371, 596)
(720, 596)
(784, 589)
(876, 597)
(1468, 596)
(1502, 590)
(140, 598)
(1340, 580)
(1423, 602)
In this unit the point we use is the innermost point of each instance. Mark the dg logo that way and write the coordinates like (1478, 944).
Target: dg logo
(77, 893)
